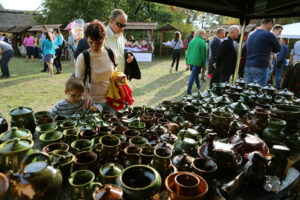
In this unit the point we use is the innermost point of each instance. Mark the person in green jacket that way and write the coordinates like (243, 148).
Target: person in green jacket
(196, 58)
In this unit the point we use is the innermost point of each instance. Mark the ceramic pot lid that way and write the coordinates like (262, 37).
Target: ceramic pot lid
(269, 87)
(182, 160)
(111, 169)
(15, 145)
(223, 99)
(21, 111)
(285, 92)
(254, 85)
(239, 105)
(108, 192)
(14, 132)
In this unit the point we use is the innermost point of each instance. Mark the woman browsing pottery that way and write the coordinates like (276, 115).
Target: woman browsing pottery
(101, 67)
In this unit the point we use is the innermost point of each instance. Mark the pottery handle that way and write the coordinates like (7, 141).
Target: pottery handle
(95, 185)
(30, 157)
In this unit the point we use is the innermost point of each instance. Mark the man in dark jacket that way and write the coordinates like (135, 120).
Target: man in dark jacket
(81, 47)
(215, 47)
(226, 60)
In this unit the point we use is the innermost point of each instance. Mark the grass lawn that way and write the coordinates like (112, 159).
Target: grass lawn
(31, 88)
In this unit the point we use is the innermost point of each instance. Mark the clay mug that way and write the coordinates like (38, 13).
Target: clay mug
(110, 145)
(83, 185)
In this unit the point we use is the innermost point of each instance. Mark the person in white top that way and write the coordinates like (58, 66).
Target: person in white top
(101, 67)
(115, 39)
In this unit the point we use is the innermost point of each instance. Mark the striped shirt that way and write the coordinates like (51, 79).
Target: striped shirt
(66, 109)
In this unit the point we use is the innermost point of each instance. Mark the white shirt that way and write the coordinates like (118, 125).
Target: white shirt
(101, 72)
(117, 43)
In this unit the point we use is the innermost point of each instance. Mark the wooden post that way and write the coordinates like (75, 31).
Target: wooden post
(165, 39)
(160, 46)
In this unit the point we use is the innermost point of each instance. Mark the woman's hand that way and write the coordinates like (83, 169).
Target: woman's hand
(129, 58)
(87, 100)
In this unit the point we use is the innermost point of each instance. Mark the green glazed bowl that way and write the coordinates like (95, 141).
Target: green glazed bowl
(44, 128)
(51, 137)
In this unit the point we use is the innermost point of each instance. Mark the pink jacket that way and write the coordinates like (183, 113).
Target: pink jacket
(29, 42)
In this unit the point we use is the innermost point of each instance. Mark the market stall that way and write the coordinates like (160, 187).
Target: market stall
(142, 48)
(163, 36)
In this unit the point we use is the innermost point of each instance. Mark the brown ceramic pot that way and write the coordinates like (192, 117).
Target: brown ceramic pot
(186, 186)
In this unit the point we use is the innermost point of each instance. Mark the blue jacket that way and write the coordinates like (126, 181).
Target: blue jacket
(82, 45)
(260, 45)
(215, 48)
(48, 47)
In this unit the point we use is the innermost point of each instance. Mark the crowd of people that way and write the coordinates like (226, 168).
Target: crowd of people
(264, 56)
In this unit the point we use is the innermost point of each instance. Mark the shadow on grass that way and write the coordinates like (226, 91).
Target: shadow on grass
(162, 80)
(170, 91)
(12, 81)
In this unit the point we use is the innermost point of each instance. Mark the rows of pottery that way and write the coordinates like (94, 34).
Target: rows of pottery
(183, 147)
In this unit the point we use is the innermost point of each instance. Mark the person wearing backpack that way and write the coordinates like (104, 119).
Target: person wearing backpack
(96, 67)
(59, 45)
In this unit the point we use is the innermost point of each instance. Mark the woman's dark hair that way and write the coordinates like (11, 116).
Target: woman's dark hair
(95, 31)
(177, 36)
(28, 35)
(57, 30)
(48, 36)
(285, 40)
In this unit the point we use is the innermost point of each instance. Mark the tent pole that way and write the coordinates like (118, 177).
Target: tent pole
(239, 52)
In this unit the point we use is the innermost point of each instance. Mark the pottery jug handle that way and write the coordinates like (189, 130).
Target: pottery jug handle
(94, 186)
(30, 157)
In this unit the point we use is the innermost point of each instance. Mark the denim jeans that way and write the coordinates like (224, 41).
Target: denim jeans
(260, 75)
(40, 55)
(6, 56)
(193, 77)
(278, 74)
(270, 71)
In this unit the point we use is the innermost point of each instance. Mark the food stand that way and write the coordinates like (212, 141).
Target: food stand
(144, 48)
(163, 36)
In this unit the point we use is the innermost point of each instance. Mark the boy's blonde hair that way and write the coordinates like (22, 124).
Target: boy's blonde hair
(74, 83)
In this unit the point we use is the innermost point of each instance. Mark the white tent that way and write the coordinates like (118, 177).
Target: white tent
(291, 31)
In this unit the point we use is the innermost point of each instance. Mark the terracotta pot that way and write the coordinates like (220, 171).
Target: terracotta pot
(130, 133)
(186, 186)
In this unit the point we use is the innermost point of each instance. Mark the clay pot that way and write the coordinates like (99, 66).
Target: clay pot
(104, 130)
(186, 186)
(183, 162)
(148, 120)
(139, 182)
(138, 141)
(118, 130)
(86, 160)
(132, 156)
(108, 192)
(130, 133)
(81, 145)
(109, 172)
(110, 145)
(56, 146)
(4, 184)
(205, 168)
(259, 121)
(147, 155)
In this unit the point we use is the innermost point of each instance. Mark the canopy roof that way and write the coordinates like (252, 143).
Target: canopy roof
(243, 9)
(248, 28)
(143, 26)
(168, 27)
(291, 31)
(50, 26)
(15, 18)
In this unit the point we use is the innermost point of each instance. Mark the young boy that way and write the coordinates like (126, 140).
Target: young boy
(74, 101)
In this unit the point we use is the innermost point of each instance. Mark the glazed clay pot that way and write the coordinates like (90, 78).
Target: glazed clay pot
(259, 121)
(35, 180)
(273, 133)
(139, 182)
(82, 184)
(109, 173)
(86, 160)
(108, 192)
(205, 168)
(56, 146)
(3, 124)
(186, 186)
(132, 156)
(4, 184)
